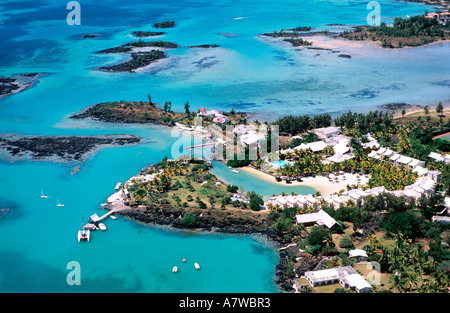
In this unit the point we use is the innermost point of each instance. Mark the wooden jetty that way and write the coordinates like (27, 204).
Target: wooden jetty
(94, 219)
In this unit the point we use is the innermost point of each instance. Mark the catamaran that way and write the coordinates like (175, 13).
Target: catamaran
(84, 234)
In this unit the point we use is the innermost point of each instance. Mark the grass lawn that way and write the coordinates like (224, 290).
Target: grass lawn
(328, 288)
(366, 270)
(381, 235)
(433, 115)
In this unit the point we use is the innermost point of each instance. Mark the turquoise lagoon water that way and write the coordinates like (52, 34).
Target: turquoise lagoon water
(280, 163)
(247, 181)
(247, 72)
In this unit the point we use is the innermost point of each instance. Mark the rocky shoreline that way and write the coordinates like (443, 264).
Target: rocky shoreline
(59, 148)
(18, 83)
(139, 59)
(230, 226)
(120, 112)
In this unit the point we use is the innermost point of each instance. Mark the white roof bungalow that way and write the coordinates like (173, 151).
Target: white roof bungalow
(346, 276)
(252, 138)
(436, 156)
(241, 129)
(327, 132)
(320, 218)
(441, 219)
(393, 159)
(356, 282)
(371, 144)
(404, 160)
(358, 253)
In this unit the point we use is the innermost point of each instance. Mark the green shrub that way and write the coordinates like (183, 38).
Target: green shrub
(346, 242)
(190, 220)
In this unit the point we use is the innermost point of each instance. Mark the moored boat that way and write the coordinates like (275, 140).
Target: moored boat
(84, 234)
(101, 226)
(175, 269)
(197, 266)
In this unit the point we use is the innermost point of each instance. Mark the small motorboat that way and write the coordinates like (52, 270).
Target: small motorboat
(234, 171)
(197, 266)
(113, 217)
(84, 234)
(175, 269)
(59, 204)
(42, 194)
(183, 260)
(101, 226)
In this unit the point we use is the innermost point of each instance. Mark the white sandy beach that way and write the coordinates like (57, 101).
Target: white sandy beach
(320, 183)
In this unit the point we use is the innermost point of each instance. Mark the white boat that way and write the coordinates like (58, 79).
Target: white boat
(59, 204)
(42, 194)
(118, 186)
(234, 171)
(101, 226)
(183, 260)
(113, 217)
(175, 269)
(84, 234)
(196, 265)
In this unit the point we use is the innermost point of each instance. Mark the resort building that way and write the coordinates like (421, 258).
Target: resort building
(346, 276)
(358, 254)
(320, 218)
(212, 113)
(439, 157)
(398, 159)
(327, 132)
(252, 138)
(442, 17)
(221, 119)
(423, 186)
(241, 129)
(440, 219)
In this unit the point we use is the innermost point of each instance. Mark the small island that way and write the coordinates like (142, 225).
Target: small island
(411, 32)
(166, 24)
(17, 83)
(59, 148)
(205, 46)
(149, 112)
(292, 35)
(147, 33)
(139, 58)
(138, 112)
